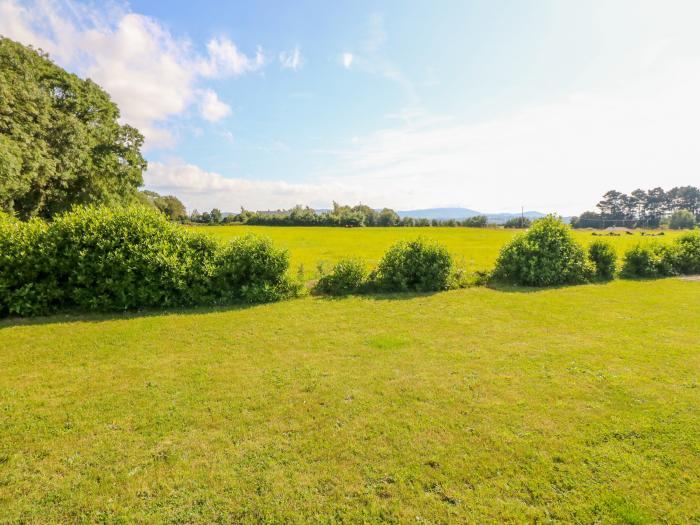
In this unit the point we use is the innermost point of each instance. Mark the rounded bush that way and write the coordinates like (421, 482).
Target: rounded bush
(122, 258)
(545, 255)
(251, 269)
(347, 276)
(604, 259)
(418, 265)
(648, 260)
(687, 253)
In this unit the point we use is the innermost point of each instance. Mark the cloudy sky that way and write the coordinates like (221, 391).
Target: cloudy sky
(408, 104)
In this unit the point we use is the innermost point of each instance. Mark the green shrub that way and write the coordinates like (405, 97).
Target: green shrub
(251, 269)
(347, 276)
(517, 222)
(686, 252)
(545, 255)
(682, 220)
(116, 259)
(604, 259)
(29, 284)
(417, 265)
(649, 260)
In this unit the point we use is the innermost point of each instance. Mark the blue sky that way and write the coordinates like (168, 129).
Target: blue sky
(485, 104)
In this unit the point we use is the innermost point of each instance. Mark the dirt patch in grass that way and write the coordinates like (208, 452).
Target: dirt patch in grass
(691, 278)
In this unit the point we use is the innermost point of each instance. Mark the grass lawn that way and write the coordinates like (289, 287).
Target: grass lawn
(476, 248)
(578, 404)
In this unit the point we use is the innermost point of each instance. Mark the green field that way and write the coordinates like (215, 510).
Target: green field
(474, 248)
(575, 405)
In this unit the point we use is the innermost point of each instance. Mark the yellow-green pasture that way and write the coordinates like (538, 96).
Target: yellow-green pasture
(475, 248)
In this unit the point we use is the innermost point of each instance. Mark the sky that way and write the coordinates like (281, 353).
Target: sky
(490, 105)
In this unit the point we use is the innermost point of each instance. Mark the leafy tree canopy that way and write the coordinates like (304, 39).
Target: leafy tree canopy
(60, 140)
(170, 205)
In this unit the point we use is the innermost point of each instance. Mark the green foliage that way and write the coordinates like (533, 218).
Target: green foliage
(588, 219)
(518, 222)
(604, 258)
(347, 276)
(388, 217)
(419, 265)
(28, 283)
(116, 259)
(686, 253)
(345, 216)
(647, 208)
(479, 221)
(546, 255)
(60, 140)
(682, 220)
(648, 260)
(170, 205)
(251, 269)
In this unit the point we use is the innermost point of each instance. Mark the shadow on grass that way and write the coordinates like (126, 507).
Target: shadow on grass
(86, 316)
(72, 316)
(377, 296)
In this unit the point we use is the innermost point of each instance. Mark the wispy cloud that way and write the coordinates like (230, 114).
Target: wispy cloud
(373, 61)
(291, 59)
(346, 59)
(559, 156)
(226, 60)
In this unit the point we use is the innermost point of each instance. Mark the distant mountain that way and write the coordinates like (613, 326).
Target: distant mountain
(465, 213)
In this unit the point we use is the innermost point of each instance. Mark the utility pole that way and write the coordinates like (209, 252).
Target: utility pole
(522, 216)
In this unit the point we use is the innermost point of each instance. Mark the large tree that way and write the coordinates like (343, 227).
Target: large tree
(60, 140)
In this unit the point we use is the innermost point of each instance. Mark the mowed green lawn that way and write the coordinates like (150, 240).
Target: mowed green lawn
(577, 405)
(475, 248)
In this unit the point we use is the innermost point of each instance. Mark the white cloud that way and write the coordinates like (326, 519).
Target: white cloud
(225, 59)
(291, 59)
(211, 107)
(347, 59)
(560, 156)
(204, 190)
(152, 75)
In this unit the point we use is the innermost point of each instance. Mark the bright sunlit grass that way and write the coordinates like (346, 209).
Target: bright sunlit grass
(475, 248)
(577, 404)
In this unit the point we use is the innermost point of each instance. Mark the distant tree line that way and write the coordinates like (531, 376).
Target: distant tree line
(680, 206)
(344, 216)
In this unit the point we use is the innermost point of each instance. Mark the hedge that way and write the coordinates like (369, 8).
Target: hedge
(106, 259)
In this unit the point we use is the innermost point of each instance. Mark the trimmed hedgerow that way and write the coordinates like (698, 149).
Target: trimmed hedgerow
(604, 259)
(116, 259)
(29, 284)
(545, 255)
(418, 266)
(347, 276)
